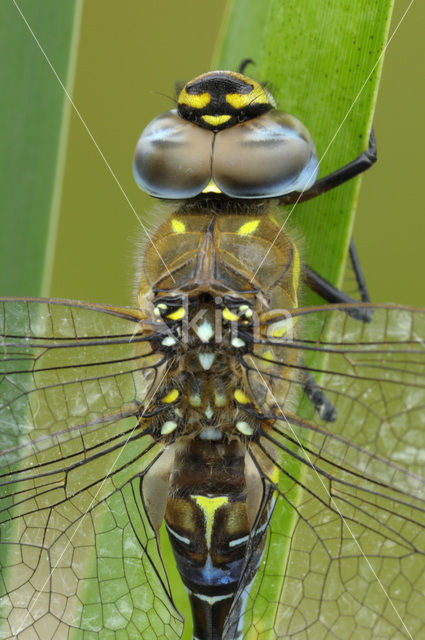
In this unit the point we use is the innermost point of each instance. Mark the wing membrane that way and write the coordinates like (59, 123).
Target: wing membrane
(77, 549)
(346, 548)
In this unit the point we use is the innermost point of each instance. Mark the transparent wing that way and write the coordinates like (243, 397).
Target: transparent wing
(345, 554)
(78, 554)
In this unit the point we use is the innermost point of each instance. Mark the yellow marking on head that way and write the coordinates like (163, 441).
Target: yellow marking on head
(258, 95)
(211, 187)
(209, 506)
(248, 227)
(216, 121)
(195, 101)
(171, 396)
(178, 226)
(229, 315)
(241, 397)
(177, 315)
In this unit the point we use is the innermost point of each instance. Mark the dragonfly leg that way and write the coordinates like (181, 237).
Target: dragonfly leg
(358, 272)
(363, 162)
(331, 294)
(318, 399)
(335, 296)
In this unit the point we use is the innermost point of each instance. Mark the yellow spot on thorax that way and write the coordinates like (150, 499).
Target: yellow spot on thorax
(248, 227)
(209, 506)
(171, 396)
(177, 315)
(178, 226)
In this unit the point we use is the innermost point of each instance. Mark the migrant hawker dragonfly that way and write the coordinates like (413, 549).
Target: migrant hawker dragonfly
(281, 445)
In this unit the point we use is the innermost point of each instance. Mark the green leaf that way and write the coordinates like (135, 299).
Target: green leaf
(34, 112)
(322, 62)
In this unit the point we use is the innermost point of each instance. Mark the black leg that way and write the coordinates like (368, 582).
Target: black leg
(358, 272)
(318, 399)
(331, 294)
(335, 296)
(364, 161)
(325, 289)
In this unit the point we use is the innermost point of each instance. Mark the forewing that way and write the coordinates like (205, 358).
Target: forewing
(345, 556)
(78, 553)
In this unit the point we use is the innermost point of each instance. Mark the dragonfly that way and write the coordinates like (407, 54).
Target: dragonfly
(279, 447)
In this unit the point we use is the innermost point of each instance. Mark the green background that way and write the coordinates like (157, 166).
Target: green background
(129, 57)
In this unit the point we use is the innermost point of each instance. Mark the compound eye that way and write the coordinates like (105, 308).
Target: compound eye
(268, 156)
(173, 158)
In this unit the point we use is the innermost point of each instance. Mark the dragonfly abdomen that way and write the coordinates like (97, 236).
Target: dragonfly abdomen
(214, 498)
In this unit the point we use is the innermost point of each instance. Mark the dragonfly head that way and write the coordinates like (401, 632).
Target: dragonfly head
(221, 99)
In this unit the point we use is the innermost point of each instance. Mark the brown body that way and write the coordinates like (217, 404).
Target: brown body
(212, 301)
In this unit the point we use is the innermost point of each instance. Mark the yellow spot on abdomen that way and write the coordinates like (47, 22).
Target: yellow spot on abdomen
(171, 396)
(220, 399)
(248, 227)
(177, 315)
(178, 226)
(209, 506)
(229, 315)
(241, 397)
